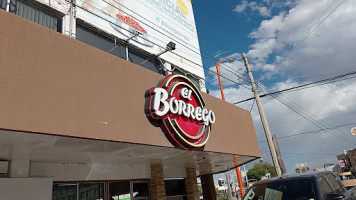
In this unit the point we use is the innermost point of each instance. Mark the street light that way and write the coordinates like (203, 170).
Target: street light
(238, 173)
(218, 72)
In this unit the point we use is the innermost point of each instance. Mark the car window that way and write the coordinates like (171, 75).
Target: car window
(256, 192)
(325, 188)
(337, 188)
(301, 189)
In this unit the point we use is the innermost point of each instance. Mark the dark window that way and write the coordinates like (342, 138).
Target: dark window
(192, 78)
(3, 4)
(145, 61)
(64, 191)
(140, 189)
(325, 188)
(100, 41)
(256, 192)
(175, 187)
(292, 189)
(91, 191)
(36, 13)
(335, 185)
(119, 190)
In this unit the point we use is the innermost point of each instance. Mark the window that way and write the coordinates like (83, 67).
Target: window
(64, 191)
(192, 78)
(335, 185)
(35, 13)
(3, 4)
(325, 188)
(78, 191)
(100, 41)
(256, 192)
(175, 189)
(140, 190)
(293, 189)
(145, 61)
(119, 190)
(91, 191)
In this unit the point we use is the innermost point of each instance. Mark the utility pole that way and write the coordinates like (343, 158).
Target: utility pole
(263, 117)
(228, 191)
(279, 155)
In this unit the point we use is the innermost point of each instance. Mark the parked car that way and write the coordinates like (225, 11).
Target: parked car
(304, 186)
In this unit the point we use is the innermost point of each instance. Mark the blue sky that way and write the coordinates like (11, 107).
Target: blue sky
(323, 36)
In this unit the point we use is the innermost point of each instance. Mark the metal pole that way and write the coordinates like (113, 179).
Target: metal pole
(263, 117)
(238, 174)
(239, 179)
(229, 196)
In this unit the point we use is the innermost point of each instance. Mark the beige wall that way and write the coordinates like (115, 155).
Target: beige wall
(26, 188)
(52, 84)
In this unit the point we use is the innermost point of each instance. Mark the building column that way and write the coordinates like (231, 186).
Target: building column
(207, 183)
(157, 187)
(191, 184)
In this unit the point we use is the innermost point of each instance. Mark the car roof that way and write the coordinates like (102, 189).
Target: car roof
(298, 176)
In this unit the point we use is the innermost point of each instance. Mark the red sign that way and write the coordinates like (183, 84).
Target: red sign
(177, 106)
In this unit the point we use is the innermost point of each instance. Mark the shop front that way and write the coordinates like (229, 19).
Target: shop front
(79, 123)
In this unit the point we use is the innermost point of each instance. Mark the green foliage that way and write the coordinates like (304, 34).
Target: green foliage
(297, 170)
(222, 198)
(260, 169)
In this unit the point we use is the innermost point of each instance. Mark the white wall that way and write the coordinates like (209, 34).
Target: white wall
(76, 172)
(26, 188)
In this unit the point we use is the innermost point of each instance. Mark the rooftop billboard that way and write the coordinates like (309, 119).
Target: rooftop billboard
(157, 22)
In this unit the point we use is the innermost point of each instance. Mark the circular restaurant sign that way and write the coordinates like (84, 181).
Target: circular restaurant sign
(177, 106)
(353, 131)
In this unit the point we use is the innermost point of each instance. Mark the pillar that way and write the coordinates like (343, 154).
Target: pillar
(157, 187)
(191, 185)
(207, 183)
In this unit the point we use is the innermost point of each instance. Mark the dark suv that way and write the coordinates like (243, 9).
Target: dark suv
(306, 186)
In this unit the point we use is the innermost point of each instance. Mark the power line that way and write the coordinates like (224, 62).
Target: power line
(304, 86)
(223, 65)
(178, 41)
(304, 153)
(309, 117)
(309, 132)
(305, 37)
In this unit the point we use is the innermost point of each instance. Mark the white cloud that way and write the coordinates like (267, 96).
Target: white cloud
(254, 7)
(241, 7)
(323, 50)
(329, 49)
(330, 105)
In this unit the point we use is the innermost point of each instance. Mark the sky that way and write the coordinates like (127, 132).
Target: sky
(287, 43)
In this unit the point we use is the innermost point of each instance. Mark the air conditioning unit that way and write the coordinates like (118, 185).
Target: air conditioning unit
(4, 166)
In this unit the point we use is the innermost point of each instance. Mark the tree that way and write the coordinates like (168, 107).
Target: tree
(260, 169)
(297, 170)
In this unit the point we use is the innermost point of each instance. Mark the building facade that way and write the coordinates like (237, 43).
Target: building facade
(73, 120)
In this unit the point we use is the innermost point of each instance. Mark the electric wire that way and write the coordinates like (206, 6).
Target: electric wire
(310, 117)
(333, 79)
(305, 37)
(305, 153)
(309, 132)
(223, 65)
(172, 38)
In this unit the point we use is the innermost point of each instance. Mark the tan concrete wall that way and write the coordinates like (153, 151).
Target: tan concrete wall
(53, 84)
